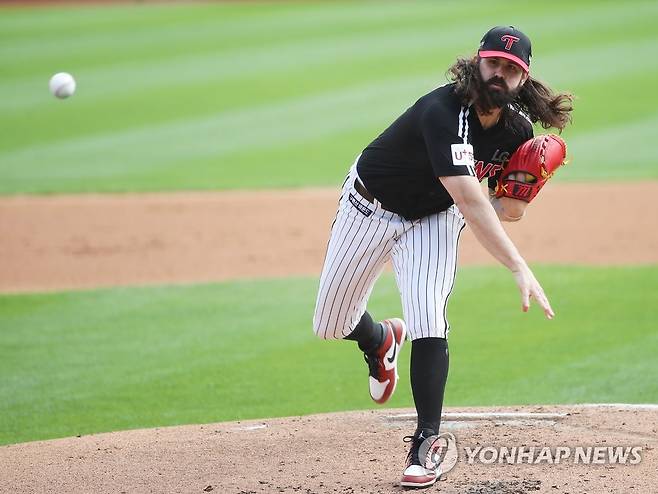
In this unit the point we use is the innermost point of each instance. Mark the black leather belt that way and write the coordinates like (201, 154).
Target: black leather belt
(363, 192)
(359, 187)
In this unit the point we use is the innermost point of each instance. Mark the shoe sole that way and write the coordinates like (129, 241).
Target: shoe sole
(418, 484)
(413, 483)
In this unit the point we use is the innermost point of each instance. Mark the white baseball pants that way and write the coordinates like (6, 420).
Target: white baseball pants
(364, 236)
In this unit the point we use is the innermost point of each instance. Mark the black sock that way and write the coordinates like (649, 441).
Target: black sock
(429, 373)
(368, 333)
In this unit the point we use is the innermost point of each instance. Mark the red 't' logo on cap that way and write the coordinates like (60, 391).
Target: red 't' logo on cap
(509, 40)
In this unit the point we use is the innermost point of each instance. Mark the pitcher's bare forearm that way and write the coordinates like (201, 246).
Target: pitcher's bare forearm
(482, 219)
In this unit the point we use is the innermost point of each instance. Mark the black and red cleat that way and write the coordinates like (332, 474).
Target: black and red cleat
(383, 362)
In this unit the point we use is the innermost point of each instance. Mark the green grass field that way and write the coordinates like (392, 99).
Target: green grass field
(82, 362)
(286, 94)
(251, 95)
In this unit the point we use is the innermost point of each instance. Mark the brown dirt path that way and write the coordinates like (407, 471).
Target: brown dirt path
(354, 452)
(86, 241)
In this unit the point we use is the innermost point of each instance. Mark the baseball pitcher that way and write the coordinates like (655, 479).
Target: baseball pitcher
(407, 198)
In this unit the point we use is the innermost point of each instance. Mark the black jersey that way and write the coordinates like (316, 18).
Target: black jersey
(401, 166)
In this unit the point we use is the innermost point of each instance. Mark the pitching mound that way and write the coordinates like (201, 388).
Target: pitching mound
(556, 449)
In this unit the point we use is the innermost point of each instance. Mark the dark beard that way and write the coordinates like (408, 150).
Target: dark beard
(489, 98)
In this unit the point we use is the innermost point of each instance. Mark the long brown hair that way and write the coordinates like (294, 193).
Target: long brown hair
(538, 101)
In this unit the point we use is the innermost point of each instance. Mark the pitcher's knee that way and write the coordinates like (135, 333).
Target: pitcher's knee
(321, 330)
(327, 331)
(417, 331)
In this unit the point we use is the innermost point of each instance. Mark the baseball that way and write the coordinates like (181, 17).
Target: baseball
(62, 85)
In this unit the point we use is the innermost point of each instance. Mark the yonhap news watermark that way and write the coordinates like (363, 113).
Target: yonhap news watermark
(532, 455)
(443, 452)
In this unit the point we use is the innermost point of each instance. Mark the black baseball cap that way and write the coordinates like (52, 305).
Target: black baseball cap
(507, 42)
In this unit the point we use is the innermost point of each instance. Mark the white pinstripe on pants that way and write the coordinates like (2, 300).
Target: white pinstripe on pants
(364, 237)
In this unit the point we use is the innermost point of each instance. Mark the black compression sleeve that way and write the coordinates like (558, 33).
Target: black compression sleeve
(369, 334)
(429, 373)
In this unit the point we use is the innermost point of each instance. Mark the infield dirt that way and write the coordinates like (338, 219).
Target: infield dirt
(86, 241)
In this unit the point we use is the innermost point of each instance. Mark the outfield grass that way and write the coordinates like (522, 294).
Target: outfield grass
(82, 362)
(234, 95)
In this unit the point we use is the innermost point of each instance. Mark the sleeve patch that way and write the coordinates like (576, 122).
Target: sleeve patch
(462, 155)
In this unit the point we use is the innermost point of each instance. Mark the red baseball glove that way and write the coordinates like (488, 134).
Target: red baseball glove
(530, 167)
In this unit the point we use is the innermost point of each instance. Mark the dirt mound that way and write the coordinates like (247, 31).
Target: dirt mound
(352, 452)
(86, 241)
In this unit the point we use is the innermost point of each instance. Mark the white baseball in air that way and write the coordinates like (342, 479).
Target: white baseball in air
(62, 85)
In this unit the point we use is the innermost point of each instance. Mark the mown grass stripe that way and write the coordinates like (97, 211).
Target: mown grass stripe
(554, 65)
(290, 123)
(209, 30)
(609, 152)
(260, 127)
(211, 62)
(229, 131)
